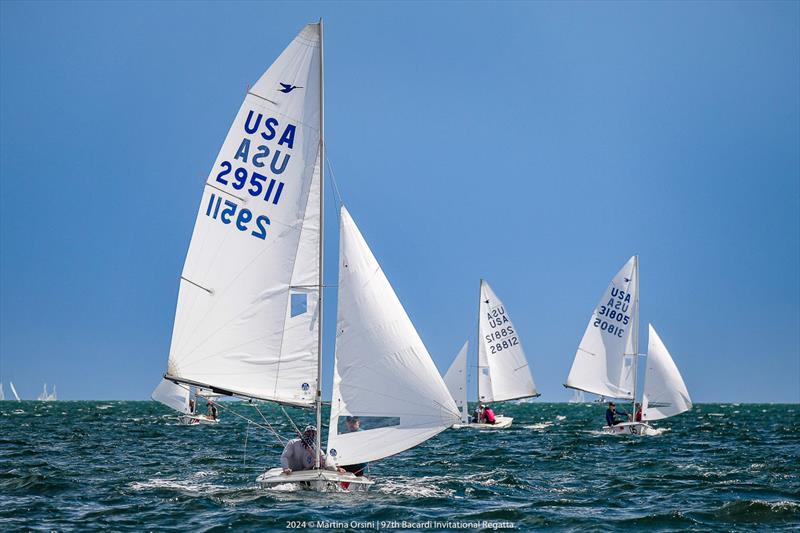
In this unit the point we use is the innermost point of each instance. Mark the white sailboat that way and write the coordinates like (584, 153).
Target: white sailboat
(249, 316)
(503, 370)
(2, 394)
(577, 397)
(178, 397)
(607, 357)
(48, 396)
(14, 391)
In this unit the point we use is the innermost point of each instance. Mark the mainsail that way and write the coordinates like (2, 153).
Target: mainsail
(605, 361)
(456, 381)
(246, 321)
(383, 373)
(665, 393)
(503, 371)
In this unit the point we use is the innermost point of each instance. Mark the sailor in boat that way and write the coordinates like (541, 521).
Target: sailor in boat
(476, 416)
(212, 410)
(298, 454)
(354, 424)
(638, 410)
(612, 417)
(192, 406)
(488, 415)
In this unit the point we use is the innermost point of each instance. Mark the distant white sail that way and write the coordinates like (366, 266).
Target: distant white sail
(665, 393)
(43, 397)
(52, 396)
(246, 321)
(456, 381)
(172, 395)
(577, 397)
(503, 371)
(604, 361)
(2, 394)
(14, 391)
(383, 373)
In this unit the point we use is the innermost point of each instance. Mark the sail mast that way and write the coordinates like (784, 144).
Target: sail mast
(478, 340)
(635, 335)
(318, 398)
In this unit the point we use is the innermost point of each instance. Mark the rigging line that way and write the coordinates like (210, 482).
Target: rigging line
(244, 457)
(219, 404)
(268, 424)
(299, 434)
(334, 184)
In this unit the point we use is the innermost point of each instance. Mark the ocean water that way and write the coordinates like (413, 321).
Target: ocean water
(128, 466)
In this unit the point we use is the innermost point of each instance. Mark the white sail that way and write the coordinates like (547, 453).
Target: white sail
(504, 373)
(456, 381)
(2, 394)
(665, 392)
(14, 391)
(172, 395)
(383, 373)
(245, 322)
(43, 396)
(604, 363)
(52, 396)
(577, 397)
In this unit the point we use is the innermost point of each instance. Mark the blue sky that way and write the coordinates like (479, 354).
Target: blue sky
(537, 145)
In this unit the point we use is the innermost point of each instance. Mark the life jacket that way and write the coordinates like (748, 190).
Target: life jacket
(489, 415)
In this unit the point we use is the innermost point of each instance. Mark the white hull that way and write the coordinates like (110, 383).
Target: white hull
(501, 422)
(196, 420)
(316, 480)
(632, 428)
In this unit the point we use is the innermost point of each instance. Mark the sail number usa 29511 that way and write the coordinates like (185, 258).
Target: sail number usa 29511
(236, 173)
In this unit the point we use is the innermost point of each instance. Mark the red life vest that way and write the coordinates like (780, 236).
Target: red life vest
(489, 415)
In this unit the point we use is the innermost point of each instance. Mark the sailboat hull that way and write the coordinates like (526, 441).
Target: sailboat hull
(633, 428)
(316, 480)
(501, 422)
(196, 420)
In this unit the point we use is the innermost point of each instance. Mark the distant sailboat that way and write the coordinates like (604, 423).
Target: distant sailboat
(606, 361)
(577, 397)
(2, 394)
(503, 370)
(47, 396)
(178, 397)
(249, 317)
(14, 391)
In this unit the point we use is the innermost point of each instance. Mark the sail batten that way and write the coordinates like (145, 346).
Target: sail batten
(246, 319)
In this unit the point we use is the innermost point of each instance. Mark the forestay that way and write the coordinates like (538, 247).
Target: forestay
(456, 381)
(383, 373)
(604, 362)
(503, 371)
(172, 395)
(246, 320)
(665, 393)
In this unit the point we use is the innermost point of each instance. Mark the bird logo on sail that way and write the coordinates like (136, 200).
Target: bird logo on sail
(286, 88)
(627, 280)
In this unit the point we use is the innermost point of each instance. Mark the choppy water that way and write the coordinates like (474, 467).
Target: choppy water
(127, 466)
